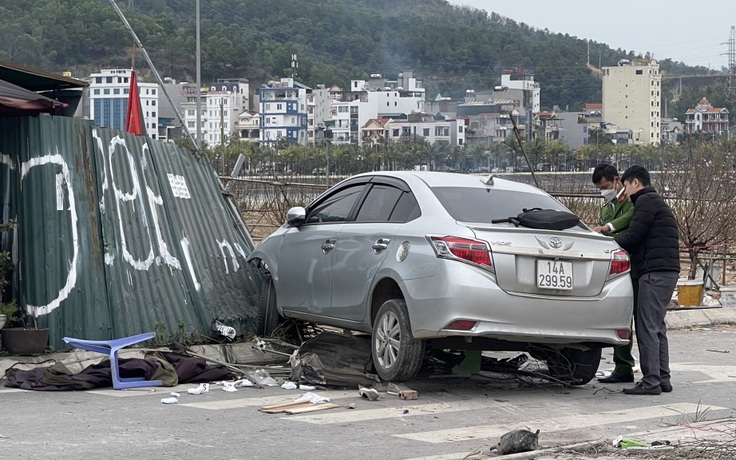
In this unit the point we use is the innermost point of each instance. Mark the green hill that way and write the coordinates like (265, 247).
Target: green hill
(451, 48)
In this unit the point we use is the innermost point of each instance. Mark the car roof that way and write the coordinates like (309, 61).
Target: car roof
(444, 179)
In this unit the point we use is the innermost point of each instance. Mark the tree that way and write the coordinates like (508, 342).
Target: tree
(701, 197)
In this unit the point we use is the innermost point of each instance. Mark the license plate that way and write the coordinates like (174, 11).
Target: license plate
(554, 274)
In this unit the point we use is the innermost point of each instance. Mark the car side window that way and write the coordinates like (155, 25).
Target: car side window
(379, 204)
(336, 207)
(406, 209)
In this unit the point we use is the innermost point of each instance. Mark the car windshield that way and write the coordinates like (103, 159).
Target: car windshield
(481, 205)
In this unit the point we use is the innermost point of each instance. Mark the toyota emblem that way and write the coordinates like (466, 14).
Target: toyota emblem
(555, 242)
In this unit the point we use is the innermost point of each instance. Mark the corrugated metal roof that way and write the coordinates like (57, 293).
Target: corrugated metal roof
(119, 234)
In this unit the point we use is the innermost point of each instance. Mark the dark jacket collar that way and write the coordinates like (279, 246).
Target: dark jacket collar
(641, 192)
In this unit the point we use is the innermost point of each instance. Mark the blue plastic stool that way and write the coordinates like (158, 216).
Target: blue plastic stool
(111, 347)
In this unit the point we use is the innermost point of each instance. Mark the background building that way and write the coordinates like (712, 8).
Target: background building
(704, 118)
(283, 110)
(108, 94)
(631, 98)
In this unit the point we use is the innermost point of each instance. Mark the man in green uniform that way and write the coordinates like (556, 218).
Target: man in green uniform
(614, 220)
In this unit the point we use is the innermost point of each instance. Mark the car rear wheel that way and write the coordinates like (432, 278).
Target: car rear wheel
(571, 365)
(268, 316)
(397, 355)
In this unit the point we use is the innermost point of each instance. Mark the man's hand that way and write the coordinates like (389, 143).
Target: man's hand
(604, 229)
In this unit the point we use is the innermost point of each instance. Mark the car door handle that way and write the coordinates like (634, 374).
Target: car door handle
(328, 246)
(380, 245)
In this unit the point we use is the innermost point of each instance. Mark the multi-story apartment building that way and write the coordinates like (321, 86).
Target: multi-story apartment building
(704, 118)
(108, 94)
(490, 119)
(522, 79)
(189, 109)
(422, 126)
(376, 98)
(631, 98)
(225, 101)
(283, 111)
(249, 126)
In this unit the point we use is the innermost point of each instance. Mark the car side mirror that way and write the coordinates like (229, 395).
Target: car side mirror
(296, 216)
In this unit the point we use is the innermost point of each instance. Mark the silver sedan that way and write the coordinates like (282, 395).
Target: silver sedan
(424, 260)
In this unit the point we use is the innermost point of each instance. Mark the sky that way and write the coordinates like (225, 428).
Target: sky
(681, 30)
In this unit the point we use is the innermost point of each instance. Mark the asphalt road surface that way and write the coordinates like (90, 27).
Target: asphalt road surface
(451, 418)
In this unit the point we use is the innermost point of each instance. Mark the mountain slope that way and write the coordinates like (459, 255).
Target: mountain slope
(451, 48)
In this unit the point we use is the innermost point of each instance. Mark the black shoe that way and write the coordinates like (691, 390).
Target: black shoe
(639, 389)
(666, 387)
(617, 377)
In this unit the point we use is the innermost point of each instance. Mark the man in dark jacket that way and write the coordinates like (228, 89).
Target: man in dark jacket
(652, 240)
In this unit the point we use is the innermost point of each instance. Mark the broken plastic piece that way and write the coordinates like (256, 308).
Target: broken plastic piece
(371, 394)
(174, 394)
(222, 329)
(264, 378)
(169, 400)
(243, 383)
(289, 385)
(229, 387)
(626, 443)
(314, 398)
(307, 387)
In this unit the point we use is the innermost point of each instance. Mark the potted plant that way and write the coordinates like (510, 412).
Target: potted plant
(17, 340)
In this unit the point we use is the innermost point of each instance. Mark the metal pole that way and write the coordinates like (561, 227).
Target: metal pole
(521, 146)
(199, 82)
(327, 158)
(153, 68)
(222, 137)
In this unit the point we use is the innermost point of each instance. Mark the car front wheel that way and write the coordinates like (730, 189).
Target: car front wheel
(397, 355)
(268, 316)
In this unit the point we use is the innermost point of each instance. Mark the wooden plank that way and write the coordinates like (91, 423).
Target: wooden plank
(311, 408)
(276, 408)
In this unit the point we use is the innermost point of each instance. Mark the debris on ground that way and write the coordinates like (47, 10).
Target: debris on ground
(624, 443)
(308, 402)
(402, 391)
(371, 394)
(517, 441)
(202, 388)
(263, 378)
(333, 359)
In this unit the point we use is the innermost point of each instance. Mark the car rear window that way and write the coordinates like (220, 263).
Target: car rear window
(483, 205)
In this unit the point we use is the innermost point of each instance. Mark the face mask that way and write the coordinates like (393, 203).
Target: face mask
(609, 194)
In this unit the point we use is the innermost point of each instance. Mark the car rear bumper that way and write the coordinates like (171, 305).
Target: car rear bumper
(463, 292)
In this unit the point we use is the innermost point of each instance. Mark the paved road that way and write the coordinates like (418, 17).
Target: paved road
(451, 418)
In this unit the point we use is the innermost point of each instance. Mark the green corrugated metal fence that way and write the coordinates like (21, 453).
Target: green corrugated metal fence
(118, 233)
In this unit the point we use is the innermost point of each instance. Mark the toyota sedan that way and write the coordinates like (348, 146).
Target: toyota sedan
(425, 260)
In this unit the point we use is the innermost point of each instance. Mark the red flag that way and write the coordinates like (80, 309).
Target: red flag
(134, 117)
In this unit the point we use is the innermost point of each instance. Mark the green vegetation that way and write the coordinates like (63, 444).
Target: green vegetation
(451, 48)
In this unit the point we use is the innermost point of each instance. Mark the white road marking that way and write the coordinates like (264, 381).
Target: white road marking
(412, 409)
(716, 373)
(567, 422)
(263, 401)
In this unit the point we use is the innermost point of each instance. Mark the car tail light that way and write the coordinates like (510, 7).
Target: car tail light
(461, 325)
(623, 334)
(620, 263)
(465, 249)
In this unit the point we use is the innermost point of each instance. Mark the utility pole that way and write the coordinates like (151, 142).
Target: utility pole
(222, 136)
(199, 82)
(731, 58)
